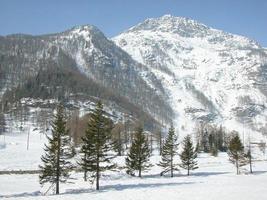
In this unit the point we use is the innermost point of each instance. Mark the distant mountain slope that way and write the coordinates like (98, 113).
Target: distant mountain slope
(210, 75)
(85, 54)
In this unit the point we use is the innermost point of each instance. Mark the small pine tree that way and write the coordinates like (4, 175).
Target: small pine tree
(188, 155)
(97, 146)
(56, 161)
(169, 150)
(138, 156)
(236, 152)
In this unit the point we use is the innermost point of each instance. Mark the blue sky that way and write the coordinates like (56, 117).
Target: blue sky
(244, 17)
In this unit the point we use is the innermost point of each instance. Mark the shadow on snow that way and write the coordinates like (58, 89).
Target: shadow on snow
(120, 187)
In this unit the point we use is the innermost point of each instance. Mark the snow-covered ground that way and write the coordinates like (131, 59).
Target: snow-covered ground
(15, 156)
(215, 179)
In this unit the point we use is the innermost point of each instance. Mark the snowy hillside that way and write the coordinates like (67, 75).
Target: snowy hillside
(83, 63)
(210, 75)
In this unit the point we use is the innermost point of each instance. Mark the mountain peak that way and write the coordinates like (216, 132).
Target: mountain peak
(87, 32)
(167, 23)
(86, 29)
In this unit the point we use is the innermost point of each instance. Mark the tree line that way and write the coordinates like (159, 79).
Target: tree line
(97, 151)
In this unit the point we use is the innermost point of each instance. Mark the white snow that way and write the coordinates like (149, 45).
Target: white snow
(215, 179)
(14, 154)
(217, 64)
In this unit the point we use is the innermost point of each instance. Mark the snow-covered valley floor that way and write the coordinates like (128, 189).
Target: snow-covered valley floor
(214, 180)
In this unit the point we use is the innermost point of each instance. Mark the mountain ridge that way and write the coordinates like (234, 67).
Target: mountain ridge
(163, 65)
(210, 74)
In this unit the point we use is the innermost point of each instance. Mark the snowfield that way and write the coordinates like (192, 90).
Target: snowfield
(215, 178)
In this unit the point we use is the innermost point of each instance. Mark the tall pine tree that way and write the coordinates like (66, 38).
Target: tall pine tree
(139, 154)
(236, 152)
(58, 152)
(188, 155)
(169, 150)
(97, 146)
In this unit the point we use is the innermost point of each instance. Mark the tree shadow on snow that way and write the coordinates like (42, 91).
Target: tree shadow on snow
(205, 174)
(259, 172)
(120, 187)
(24, 194)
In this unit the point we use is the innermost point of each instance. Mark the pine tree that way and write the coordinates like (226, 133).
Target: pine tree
(236, 152)
(169, 150)
(97, 146)
(58, 152)
(188, 155)
(138, 156)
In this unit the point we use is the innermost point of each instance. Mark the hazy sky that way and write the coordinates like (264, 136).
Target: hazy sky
(244, 17)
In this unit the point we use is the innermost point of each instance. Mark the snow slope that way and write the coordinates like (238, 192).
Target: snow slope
(211, 76)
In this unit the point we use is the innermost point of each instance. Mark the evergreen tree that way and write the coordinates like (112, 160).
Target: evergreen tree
(236, 152)
(169, 150)
(58, 152)
(188, 155)
(97, 146)
(138, 156)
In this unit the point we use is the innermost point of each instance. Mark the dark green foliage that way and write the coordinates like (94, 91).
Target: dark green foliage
(169, 150)
(236, 152)
(96, 151)
(188, 155)
(138, 156)
(56, 160)
(211, 139)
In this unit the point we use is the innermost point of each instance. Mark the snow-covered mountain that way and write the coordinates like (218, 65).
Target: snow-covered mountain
(161, 66)
(210, 75)
(79, 61)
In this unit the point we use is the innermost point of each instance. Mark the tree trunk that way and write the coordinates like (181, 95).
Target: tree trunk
(120, 145)
(57, 187)
(97, 177)
(237, 166)
(140, 168)
(58, 166)
(188, 170)
(139, 172)
(250, 160)
(85, 171)
(250, 165)
(85, 175)
(171, 167)
(97, 174)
